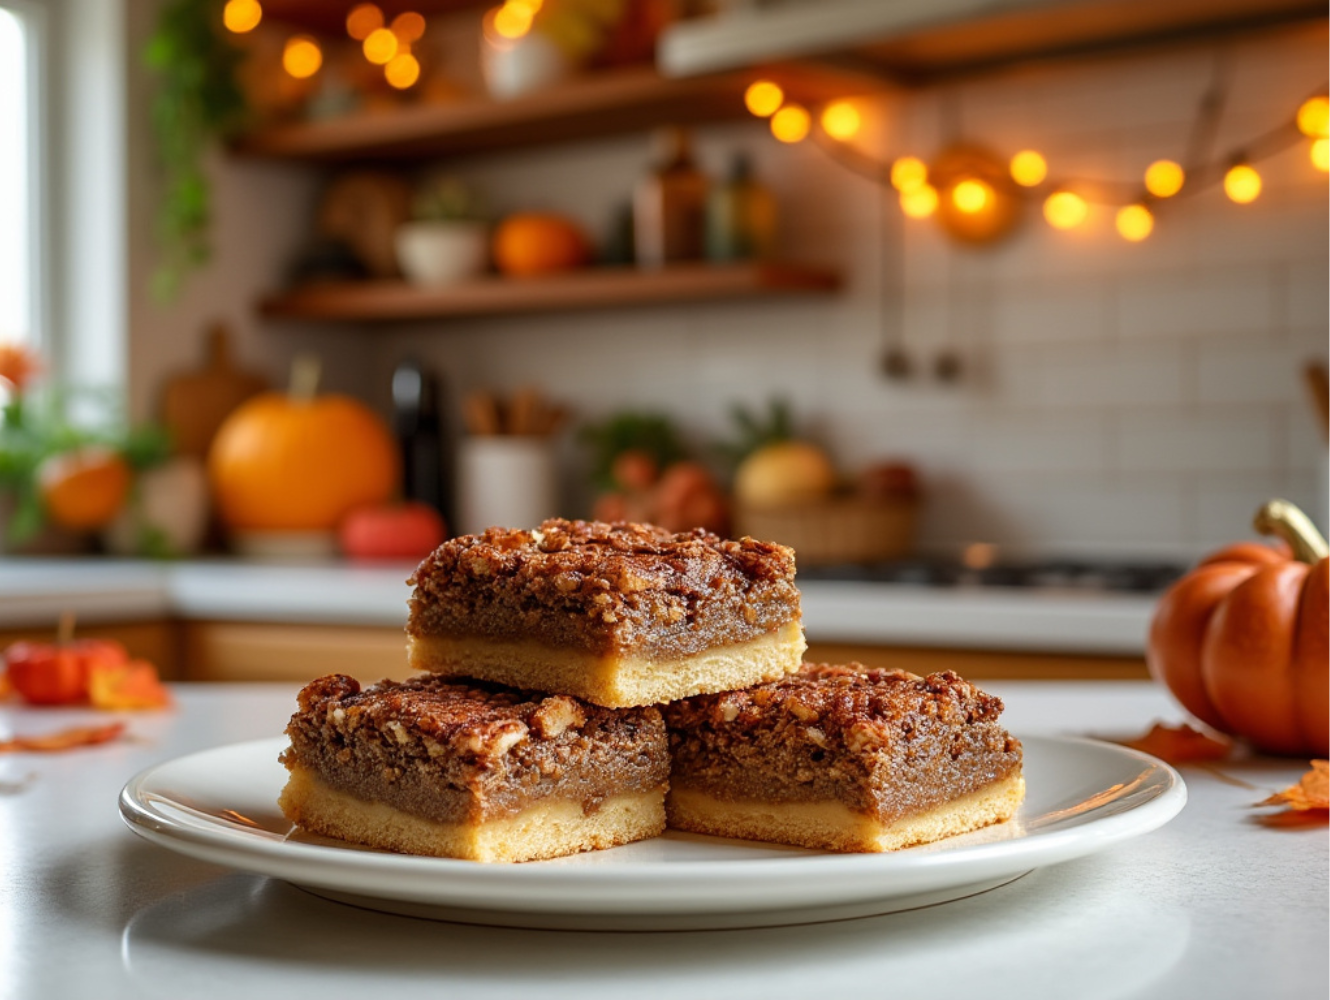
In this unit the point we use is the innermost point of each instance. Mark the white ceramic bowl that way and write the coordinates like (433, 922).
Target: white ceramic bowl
(442, 253)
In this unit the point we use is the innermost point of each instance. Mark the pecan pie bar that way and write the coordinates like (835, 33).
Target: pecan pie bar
(618, 614)
(843, 758)
(472, 770)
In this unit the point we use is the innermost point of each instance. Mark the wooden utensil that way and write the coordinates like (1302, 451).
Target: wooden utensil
(194, 404)
(1316, 382)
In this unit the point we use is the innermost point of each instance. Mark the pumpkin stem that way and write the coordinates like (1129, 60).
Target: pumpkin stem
(306, 370)
(1286, 521)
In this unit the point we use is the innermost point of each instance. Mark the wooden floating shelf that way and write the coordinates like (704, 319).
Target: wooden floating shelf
(607, 102)
(593, 288)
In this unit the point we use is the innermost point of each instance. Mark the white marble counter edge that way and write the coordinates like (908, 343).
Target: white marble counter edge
(35, 591)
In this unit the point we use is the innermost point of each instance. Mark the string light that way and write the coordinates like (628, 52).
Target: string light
(1314, 117)
(1135, 222)
(908, 172)
(363, 19)
(402, 71)
(1028, 168)
(971, 196)
(241, 16)
(1242, 183)
(1320, 154)
(1065, 210)
(763, 98)
(919, 201)
(841, 120)
(513, 20)
(301, 56)
(790, 123)
(380, 46)
(408, 27)
(1164, 178)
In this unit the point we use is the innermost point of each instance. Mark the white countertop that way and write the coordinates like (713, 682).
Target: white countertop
(1213, 905)
(35, 591)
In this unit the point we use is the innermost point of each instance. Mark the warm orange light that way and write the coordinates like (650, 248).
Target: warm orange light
(790, 123)
(1320, 154)
(1028, 168)
(302, 57)
(1164, 178)
(408, 27)
(919, 201)
(402, 70)
(1242, 183)
(840, 120)
(241, 16)
(1314, 117)
(1135, 222)
(363, 19)
(380, 46)
(1065, 210)
(763, 98)
(908, 172)
(513, 21)
(971, 196)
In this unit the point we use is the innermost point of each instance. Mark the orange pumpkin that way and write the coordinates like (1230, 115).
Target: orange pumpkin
(1241, 641)
(300, 462)
(531, 243)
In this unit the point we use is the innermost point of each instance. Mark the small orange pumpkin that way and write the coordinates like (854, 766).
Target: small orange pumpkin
(1241, 641)
(300, 462)
(531, 243)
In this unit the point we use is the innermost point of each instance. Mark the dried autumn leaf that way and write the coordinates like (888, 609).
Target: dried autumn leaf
(130, 685)
(63, 739)
(1179, 744)
(1311, 792)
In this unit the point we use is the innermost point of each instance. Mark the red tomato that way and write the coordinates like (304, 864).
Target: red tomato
(47, 674)
(396, 531)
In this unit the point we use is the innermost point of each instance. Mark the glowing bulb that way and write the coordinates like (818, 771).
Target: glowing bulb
(1065, 210)
(402, 70)
(763, 98)
(919, 201)
(1242, 183)
(908, 172)
(1314, 117)
(302, 57)
(1164, 178)
(971, 196)
(363, 19)
(408, 27)
(841, 120)
(790, 123)
(1320, 154)
(1028, 168)
(1135, 222)
(513, 21)
(380, 46)
(241, 16)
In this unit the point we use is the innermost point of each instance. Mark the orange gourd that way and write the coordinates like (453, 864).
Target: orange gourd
(298, 461)
(1241, 641)
(531, 243)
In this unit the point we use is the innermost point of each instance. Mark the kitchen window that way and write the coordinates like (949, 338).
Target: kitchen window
(19, 273)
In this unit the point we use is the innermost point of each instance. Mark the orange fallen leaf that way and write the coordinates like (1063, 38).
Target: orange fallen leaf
(130, 685)
(1179, 744)
(1311, 792)
(63, 739)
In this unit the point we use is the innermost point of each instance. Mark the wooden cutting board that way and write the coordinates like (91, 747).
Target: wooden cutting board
(194, 404)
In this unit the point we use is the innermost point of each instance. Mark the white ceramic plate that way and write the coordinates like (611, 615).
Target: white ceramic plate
(1082, 796)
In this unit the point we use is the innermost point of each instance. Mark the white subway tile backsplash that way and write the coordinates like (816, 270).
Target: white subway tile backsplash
(1199, 303)
(1257, 370)
(1113, 375)
(1035, 443)
(1214, 440)
(1074, 310)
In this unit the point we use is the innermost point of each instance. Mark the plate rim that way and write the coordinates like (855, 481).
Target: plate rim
(1030, 850)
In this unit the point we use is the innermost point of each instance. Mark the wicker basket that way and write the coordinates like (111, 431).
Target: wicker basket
(838, 530)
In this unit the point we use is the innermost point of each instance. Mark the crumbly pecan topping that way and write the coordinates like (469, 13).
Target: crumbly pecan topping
(605, 587)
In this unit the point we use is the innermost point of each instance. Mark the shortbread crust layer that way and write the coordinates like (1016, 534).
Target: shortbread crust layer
(830, 825)
(610, 680)
(548, 829)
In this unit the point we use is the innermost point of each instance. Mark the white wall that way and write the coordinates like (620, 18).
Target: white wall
(1118, 397)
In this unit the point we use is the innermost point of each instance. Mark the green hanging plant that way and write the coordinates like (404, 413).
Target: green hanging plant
(198, 100)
